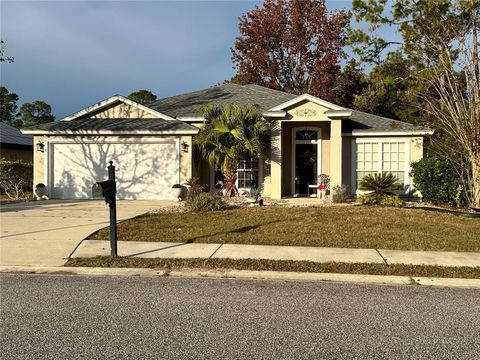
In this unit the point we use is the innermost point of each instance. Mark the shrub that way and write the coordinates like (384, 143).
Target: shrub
(436, 179)
(16, 178)
(194, 187)
(205, 202)
(379, 183)
(379, 199)
(340, 194)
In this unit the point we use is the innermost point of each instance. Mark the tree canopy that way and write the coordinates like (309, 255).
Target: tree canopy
(294, 46)
(142, 96)
(35, 112)
(8, 106)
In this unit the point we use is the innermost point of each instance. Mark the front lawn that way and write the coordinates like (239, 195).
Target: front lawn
(336, 226)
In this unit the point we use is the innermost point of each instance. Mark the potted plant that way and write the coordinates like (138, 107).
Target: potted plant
(323, 190)
(323, 185)
(179, 191)
(253, 196)
(40, 191)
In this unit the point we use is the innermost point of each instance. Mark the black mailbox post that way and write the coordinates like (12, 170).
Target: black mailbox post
(109, 192)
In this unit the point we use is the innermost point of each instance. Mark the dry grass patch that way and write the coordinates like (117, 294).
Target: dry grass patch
(283, 265)
(348, 227)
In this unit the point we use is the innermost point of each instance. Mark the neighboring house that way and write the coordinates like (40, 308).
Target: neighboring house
(14, 145)
(151, 145)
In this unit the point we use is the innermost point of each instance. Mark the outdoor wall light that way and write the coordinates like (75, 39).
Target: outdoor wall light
(185, 146)
(41, 146)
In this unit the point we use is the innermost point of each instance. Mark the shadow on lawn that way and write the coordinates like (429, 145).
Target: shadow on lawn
(241, 230)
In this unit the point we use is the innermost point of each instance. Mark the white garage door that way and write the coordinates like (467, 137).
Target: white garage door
(143, 171)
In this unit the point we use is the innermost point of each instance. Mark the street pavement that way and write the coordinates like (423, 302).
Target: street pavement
(77, 317)
(44, 233)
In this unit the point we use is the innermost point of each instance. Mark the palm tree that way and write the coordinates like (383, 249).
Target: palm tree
(232, 132)
(379, 184)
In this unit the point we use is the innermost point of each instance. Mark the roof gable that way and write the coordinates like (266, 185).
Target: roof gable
(306, 97)
(98, 107)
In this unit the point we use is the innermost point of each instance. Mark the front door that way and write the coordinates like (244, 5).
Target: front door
(306, 161)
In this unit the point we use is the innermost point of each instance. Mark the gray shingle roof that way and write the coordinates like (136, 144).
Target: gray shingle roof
(116, 125)
(187, 104)
(360, 121)
(13, 136)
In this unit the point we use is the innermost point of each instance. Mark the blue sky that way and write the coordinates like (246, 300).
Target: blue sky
(71, 54)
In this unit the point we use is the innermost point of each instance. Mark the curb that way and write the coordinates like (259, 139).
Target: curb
(245, 275)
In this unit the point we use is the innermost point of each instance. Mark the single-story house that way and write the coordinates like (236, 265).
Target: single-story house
(14, 145)
(151, 145)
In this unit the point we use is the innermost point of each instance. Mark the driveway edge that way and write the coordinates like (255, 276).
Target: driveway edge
(246, 275)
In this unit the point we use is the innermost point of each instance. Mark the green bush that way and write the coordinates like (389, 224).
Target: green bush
(340, 194)
(379, 183)
(437, 180)
(379, 199)
(205, 202)
(16, 178)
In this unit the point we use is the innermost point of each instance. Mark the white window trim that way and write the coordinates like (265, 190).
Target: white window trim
(295, 142)
(260, 177)
(381, 141)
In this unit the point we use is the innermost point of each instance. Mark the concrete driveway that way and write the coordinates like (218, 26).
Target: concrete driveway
(44, 233)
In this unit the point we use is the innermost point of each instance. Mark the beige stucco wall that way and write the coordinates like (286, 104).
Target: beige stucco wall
(416, 153)
(307, 111)
(39, 162)
(336, 157)
(347, 163)
(121, 110)
(185, 159)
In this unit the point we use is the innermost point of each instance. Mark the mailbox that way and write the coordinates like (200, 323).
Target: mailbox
(109, 190)
(97, 192)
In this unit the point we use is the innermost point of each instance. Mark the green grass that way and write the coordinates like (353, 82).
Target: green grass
(346, 226)
(284, 265)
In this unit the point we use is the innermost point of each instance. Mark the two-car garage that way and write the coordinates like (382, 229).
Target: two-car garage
(150, 151)
(144, 170)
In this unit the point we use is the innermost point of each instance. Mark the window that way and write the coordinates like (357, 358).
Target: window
(381, 156)
(247, 173)
(306, 135)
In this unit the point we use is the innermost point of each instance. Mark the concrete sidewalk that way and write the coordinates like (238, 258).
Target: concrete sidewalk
(92, 248)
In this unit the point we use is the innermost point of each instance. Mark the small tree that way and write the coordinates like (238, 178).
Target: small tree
(230, 133)
(16, 178)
